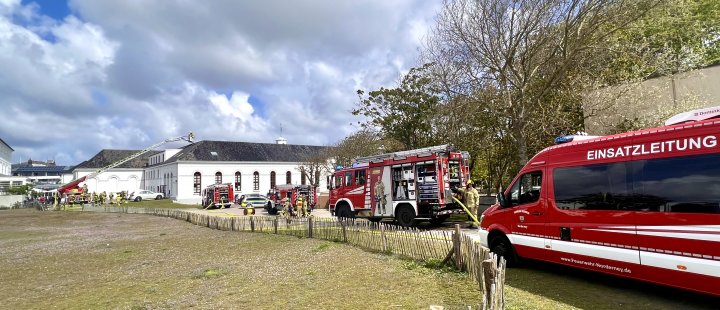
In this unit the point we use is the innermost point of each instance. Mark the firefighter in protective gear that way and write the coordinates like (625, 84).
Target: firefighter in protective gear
(471, 199)
(101, 198)
(56, 200)
(300, 205)
(287, 210)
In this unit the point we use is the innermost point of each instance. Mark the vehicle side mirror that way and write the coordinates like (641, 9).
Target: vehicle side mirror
(501, 200)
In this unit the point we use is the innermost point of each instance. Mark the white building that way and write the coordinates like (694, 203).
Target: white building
(126, 177)
(7, 181)
(181, 174)
(5, 158)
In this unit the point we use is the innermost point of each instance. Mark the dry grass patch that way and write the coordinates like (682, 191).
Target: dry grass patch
(95, 260)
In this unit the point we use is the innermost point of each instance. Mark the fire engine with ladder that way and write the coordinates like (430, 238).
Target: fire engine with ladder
(73, 187)
(408, 186)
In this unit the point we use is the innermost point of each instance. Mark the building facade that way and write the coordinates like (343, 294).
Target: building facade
(45, 175)
(181, 174)
(5, 158)
(6, 180)
(126, 177)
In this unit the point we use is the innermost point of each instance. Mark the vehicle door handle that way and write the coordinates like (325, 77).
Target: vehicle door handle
(536, 213)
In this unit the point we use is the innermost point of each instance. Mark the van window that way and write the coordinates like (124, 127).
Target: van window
(526, 189)
(689, 184)
(593, 187)
(360, 177)
(338, 181)
(348, 178)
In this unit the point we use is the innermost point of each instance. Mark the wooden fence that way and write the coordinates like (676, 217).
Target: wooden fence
(453, 247)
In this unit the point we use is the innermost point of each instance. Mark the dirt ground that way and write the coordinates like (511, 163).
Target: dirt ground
(73, 260)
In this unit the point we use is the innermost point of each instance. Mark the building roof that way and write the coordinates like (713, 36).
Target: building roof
(245, 151)
(58, 169)
(107, 157)
(8, 145)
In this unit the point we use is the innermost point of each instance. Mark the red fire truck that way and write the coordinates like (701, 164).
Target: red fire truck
(290, 191)
(408, 186)
(642, 205)
(218, 196)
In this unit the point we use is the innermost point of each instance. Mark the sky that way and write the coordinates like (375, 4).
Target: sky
(79, 76)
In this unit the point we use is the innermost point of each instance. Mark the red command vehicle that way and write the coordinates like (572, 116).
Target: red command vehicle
(218, 196)
(643, 205)
(407, 186)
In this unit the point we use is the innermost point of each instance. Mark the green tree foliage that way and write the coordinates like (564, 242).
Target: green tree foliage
(20, 190)
(405, 114)
(674, 36)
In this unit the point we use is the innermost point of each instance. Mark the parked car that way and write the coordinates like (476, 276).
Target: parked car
(257, 201)
(141, 194)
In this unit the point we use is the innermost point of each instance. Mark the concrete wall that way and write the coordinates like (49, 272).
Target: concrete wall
(663, 96)
(10, 200)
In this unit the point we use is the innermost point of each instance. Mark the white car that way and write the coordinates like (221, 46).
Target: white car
(141, 194)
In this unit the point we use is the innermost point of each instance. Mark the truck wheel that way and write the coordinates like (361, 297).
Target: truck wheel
(501, 246)
(405, 216)
(138, 198)
(344, 212)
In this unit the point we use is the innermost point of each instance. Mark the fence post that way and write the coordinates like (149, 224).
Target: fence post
(344, 231)
(382, 236)
(310, 227)
(275, 225)
(456, 247)
(490, 271)
(252, 224)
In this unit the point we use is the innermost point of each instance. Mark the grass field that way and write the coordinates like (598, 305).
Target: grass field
(96, 260)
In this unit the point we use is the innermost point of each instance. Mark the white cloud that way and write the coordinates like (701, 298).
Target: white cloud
(126, 74)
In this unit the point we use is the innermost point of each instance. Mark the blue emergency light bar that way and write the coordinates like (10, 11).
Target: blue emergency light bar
(564, 139)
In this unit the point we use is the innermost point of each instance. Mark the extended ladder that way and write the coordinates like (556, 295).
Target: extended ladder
(189, 138)
(427, 151)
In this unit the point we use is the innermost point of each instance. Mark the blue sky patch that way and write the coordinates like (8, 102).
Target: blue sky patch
(257, 104)
(57, 9)
(99, 98)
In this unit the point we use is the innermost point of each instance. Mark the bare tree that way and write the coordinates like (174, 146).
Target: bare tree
(365, 142)
(317, 166)
(532, 56)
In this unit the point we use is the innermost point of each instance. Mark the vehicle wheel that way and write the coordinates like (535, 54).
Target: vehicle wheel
(138, 198)
(501, 246)
(344, 212)
(405, 216)
(375, 219)
(158, 197)
(272, 211)
(438, 220)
